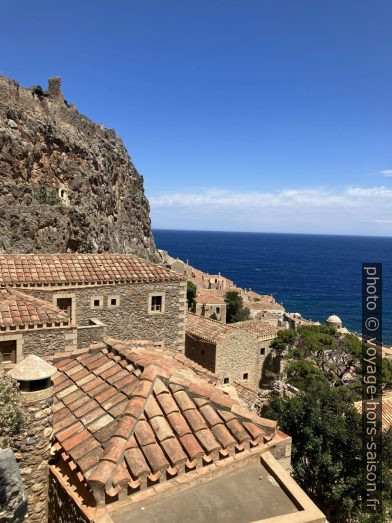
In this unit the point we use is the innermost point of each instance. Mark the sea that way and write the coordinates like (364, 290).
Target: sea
(315, 275)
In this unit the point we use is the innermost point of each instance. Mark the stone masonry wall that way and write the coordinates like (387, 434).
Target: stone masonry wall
(201, 352)
(236, 354)
(90, 333)
(62, 508)
(131, 319)
(32, 451)
(48, 341)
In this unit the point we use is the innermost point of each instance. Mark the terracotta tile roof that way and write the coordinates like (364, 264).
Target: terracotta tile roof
(263, 305)
(257, 327)
(209, 297)
(386, 409)
(132, 417)
(206, 329)
(79, 268)
(17, 308)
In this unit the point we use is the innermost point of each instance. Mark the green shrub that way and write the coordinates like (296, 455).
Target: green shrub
(47, 196)
(12, 416)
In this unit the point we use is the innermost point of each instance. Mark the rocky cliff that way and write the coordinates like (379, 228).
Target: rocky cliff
(66, 183)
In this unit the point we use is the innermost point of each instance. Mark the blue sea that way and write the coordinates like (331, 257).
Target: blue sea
(316, 275)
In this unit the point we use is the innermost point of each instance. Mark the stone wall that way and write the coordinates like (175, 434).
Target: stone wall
(32, 451)
(48, 341)
(201, 352)
(87, 334)
(237, 354)
(131, 318)
(62, 507)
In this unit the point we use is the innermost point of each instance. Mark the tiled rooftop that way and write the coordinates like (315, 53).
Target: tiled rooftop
(79, 268)
(386, 409)
(262, 305)
(206, 329)
(128, 418)
(17, 308)
(209, 297)
(257, 327)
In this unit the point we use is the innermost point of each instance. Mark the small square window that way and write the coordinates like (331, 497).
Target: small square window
(262, 351)
(245, 376)
(225, 380)
(97, 303)
(113, 302)
(156, 303)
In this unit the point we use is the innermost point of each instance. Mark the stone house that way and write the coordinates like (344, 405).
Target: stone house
(143, 434)
(29, 325)
(234, 354)
(265, 334)
(208, 303)
(119, 295)
(258, 304)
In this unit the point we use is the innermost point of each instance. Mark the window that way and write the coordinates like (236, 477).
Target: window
(96, 302)
(113, 301)
(218, 310)
(245, 376)
(65, 304)
(262, 351)
(8, 351)
(225, 381)
(156, 303)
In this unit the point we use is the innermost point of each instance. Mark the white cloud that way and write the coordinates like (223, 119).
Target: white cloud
(354, 210)
(386, 172)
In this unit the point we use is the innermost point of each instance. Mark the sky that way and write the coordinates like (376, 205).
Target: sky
(248, 115)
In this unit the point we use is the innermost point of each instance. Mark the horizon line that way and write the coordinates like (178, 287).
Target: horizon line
(266, 232)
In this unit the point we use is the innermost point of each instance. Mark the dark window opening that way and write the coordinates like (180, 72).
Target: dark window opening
(65, 304)
(225, 380)
(245, 376)
(262, 351)
(97, 303)
(8, 351)
(156, 303)
(218, 310)
(113, 301)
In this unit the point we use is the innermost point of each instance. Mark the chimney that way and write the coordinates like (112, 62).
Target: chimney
(33, 448)
(54, 87)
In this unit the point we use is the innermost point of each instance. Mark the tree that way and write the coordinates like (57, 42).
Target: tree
(191, 290)
(214, 317)
(12, 417)
(235, 308)
(326, 454)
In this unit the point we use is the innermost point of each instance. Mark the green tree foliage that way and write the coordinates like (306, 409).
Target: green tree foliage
(191, 290)
(12, 418)
(214, 317)
(47, 196)
(326, 454)
(235, 308)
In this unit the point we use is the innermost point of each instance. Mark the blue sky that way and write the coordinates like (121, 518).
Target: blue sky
(262, 115)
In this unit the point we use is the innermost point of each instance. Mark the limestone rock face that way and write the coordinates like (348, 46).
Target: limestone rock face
(66, 183)
(13, 501)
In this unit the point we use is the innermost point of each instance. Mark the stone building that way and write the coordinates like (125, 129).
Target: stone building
(208, 303)
(143, 434)
(29, 325)
(119, 295)
(234, 354)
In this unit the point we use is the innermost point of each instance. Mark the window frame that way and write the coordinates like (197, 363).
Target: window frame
(150, 299)
(96, 307)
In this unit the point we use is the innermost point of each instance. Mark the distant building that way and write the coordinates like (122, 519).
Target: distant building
(235, 352)
(207, 304)
(70, 300)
